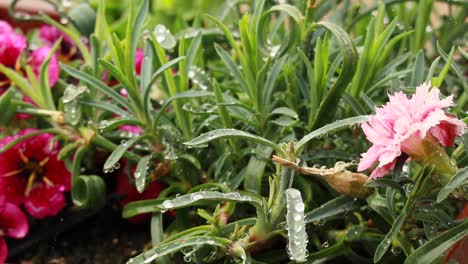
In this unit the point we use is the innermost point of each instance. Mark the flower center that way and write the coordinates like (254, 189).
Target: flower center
(33, 170)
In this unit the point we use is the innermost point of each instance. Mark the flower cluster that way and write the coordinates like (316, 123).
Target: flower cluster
(13, 46)
(414, 126)
(31, 176)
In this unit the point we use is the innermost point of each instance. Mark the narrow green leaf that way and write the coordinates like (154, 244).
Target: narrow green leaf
(181, 95)
(386, 242)
(461, 178)
(328, 107)
(329, 128)
(141, 173)
(192, 51)
(162, 69)
(444, 71)
(337, 206)
(384, 182)
(437, 246)
(203, 139)
(417, 76)
(164, 249)
(95, 83)
(117, 154)
(233, 68)
(105, 106)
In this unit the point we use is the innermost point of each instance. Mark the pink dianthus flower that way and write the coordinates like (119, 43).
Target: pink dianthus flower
(416, 126)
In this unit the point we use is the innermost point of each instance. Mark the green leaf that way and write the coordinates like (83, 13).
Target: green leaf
(285, 111)
(114, 71)
(384, 182)
(386, 242)
(203, 139)
(118, 152)
(255, 170)
(6, 107)
(164, 249)
(147, 90)
(192, 51)
(157, 235)
(89, 192)
(337, 206)
(270, 82)
(105, 106)
(190, 199)
(95, 83)
(106, 125)
(45, 89)
(329, 128)
(181, 95)
(417, 76)
(141, 173)
(68, 148)
(134, 26)
(22, 83)
(444, 71)
(141, 207)
(437, 246)
(232, 66)
(328, 107)
(461, 178)
(285, 121)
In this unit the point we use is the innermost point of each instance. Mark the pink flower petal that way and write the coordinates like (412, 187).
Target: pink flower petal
(11, 47)
(44, 201)
(50, 34)
(138, 60)
(38, 58)
(13, 221)
(402, 124)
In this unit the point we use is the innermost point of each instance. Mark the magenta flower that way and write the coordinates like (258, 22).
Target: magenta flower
(31, 173)
(68, 50)
(50, 34)
(139, 55)
(13, 223)
(11, 47)
(37, 58)
(413, 126)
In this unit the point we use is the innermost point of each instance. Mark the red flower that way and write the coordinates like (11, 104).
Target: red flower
(31, 173)
(130, 194)
(12, 45)
(13, 223)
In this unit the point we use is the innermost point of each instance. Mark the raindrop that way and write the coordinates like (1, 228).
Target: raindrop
(297, 217)
(299, 207)
(64, 20)
(167, 204)
(196, 196)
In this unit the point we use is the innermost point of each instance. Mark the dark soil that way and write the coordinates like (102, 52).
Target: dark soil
(81, 238)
